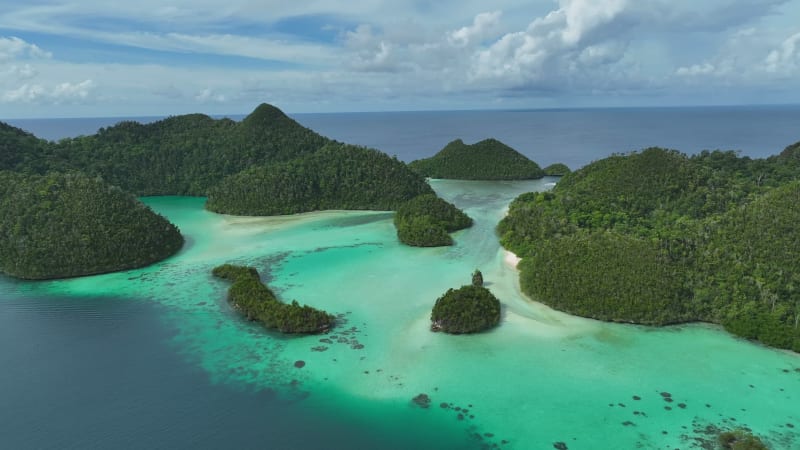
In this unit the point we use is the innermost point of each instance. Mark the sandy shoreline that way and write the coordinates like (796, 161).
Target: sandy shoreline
(511, 259)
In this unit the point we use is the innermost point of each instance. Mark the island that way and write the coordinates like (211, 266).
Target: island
(337, 176)
(468, 309)
(179, 155)
(657, 237)
(489, 159)
(64, 225)
(427, 220)
(556, 170)
(257, 302)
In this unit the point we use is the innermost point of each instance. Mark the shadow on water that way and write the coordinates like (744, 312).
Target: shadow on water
(100, 373)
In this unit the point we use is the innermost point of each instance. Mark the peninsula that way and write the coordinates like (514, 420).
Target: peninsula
(657, 237)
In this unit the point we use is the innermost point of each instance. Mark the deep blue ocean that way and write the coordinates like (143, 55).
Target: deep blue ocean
(101, 373)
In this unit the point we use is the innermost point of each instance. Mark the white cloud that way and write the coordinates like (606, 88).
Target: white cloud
(696, 69)
(16, 72)
(15, 48)
(565, 43)
(786, 58)
(58, 94)
(403, 53)
(482, 27)
(209, 96)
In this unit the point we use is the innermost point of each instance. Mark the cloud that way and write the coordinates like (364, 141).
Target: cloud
(16, 48)
(401, 54)
(696, 69)
(482, 28)
(58, 94)
(786, 58)
(564, 44)
(209, 96)
(18, 72)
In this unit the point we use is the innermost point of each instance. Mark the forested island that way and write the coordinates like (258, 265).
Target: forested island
(489, 159)
(427, 221)
(657, 237)
(180, 155)
(556, 170)
(468, 309)
(68, 224)
(257, 302)
(337, 176)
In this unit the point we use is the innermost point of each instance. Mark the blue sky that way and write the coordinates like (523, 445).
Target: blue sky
(93, 58)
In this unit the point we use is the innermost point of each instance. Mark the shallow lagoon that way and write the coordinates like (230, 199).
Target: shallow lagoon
(541, 377)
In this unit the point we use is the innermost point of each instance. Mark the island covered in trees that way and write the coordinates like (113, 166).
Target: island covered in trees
(657, 237)
(62, 225)
(257, 302)
(489, 159)
(556, 170)
(337, 176)
(427, 221)
(468, 309)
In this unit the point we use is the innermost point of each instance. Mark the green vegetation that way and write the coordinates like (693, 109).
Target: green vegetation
(69, 225)
(427, 220)
(489, 159)
(468, 309)
(338, 176)
(740, 440)
(656, 237)
(182, 155)
(477, 278)
(19, 149)
(556, 170)
(257, 302)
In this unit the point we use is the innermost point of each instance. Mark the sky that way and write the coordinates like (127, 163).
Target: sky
(99, 58)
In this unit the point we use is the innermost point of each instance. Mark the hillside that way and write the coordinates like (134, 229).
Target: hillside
(427, 220)
(657, 237)
(338, 176)
(68, 225)
(19, 149)
(181, 155)
(489, 159)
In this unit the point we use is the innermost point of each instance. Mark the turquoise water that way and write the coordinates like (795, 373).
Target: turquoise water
(541, 377)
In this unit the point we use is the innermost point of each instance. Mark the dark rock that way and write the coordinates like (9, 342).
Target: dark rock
(422, 400)
(357, 346)
(790, 425)
(299, 364)
(628, 423)
(444, 405)
(621, 404)
(682, 405)
(319, 348)
(559, 445)
(666, 394)
(636, 397)
(326, 341)
(668, 408)
(460, 416)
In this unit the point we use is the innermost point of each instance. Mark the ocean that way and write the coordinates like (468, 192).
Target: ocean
(156, 358)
